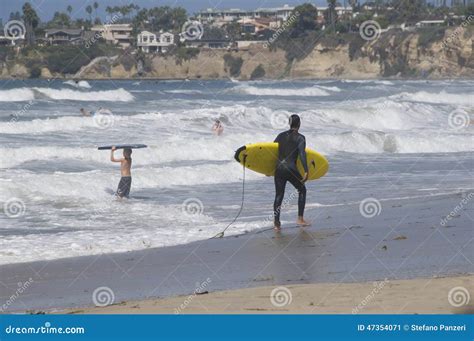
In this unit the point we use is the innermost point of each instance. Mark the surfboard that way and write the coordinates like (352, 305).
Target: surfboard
(123, 146)
(262, 158)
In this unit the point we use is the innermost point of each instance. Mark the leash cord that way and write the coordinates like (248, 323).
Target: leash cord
(221, 234)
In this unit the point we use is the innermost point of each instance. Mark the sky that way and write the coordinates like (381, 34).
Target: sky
(46, 8)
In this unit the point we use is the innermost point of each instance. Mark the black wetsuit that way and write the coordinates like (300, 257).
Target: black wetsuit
(291, 144)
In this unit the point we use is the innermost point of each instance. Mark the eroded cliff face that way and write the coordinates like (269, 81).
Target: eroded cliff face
(409, 56)
(208, 64)
(335, 63)
(393, 54)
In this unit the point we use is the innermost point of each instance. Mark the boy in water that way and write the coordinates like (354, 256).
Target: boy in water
(84, 112)
(218, 128)
(125, 183)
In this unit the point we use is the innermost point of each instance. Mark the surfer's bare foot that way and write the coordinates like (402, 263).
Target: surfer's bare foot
(277, 226)
(301, 222)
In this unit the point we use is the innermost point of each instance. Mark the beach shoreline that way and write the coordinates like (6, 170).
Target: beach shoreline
(412, 296)
(330, 251)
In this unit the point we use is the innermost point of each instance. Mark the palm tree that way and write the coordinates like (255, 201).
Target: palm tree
(69, 10)
(332, 14)
(96, 5)
(89, 11)
(31, 20)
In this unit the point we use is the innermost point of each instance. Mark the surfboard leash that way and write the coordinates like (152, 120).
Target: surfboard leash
(221, 234)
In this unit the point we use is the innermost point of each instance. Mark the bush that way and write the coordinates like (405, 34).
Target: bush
(127, 61)
(69, 59)
(355, 47)
(185, 53)
(300, 47)
(35, 72)
(233, 64)
(6, 53)
(428, 36)
(258, 72)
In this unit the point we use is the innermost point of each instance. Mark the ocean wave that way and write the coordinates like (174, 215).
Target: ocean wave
(17, 95)
(93, 185)
(365, 81)
(184, 91)
(40, 126)
(261, 91)
(438, 98)
(118, 95)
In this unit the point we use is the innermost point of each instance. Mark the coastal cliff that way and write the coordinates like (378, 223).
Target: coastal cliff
(394, 54)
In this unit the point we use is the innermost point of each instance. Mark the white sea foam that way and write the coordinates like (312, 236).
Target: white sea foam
(288, 92)
(118, 95)
(17, 95)
(442, 97)
(184, 91)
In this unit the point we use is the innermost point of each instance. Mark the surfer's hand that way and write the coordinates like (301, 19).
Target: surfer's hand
(114, 148)
(305, 177)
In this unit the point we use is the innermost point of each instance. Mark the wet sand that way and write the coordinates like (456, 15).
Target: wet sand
(406, 241)
(414, 296)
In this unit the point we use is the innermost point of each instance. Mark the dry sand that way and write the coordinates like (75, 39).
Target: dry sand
(413, 296)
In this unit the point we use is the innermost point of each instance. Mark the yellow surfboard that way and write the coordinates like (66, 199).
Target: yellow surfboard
(262, 158)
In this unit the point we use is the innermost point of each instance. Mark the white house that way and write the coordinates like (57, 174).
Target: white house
(155, 42)
(117, 34)
(229, 15)
(430, 23)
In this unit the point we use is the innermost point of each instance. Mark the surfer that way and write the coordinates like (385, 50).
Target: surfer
(218, 128)
(291, 144)
(125, 183)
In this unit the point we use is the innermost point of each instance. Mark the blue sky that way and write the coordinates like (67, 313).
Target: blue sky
(46, 8)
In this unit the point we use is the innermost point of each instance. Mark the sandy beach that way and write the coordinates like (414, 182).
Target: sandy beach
(414, 265)
(415, 296)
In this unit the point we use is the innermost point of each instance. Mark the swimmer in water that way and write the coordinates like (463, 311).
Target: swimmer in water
(218, 128)
(125, 183)
(84, 112)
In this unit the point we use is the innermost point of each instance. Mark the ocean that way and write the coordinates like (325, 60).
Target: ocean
(385, 140)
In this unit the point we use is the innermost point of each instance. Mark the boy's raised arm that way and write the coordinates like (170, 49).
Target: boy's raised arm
(112, 158)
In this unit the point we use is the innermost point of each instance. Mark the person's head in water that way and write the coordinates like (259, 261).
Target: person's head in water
(127, 154)
(295, 122)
